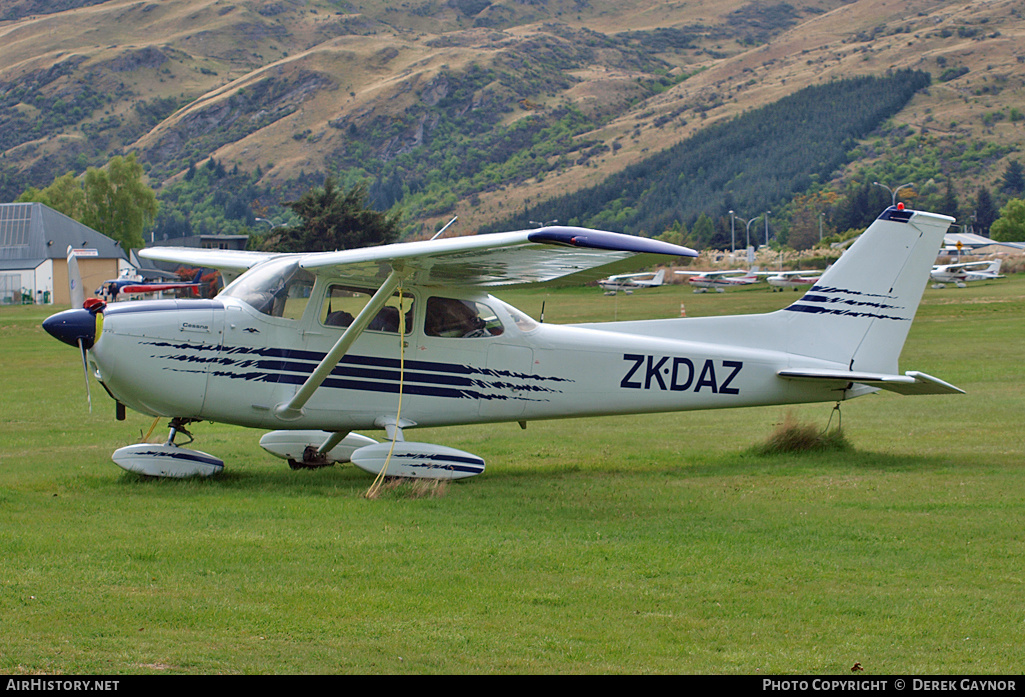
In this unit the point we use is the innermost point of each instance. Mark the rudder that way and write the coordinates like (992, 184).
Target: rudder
(860, 310)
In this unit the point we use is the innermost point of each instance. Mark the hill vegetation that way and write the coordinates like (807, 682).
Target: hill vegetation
(493, 111)
(756, 161)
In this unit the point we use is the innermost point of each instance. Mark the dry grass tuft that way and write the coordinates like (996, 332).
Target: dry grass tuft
(792, 436)
(412, 488)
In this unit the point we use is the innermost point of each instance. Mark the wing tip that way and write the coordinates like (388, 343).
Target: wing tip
(610, 241)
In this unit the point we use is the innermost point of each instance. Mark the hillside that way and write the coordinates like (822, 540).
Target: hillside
(468, 107)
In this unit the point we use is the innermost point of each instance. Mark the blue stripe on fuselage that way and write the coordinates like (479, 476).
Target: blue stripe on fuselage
(356, 372)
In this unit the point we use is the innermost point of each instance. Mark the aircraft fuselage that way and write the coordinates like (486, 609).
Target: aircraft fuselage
(221, 360)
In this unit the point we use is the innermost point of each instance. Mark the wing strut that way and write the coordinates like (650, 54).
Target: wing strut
(293, 408)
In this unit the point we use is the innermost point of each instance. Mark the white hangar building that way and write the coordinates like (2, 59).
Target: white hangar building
(34, 241)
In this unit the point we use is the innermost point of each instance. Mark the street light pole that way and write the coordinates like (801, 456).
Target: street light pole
(893, 192)
(270, 222)
(747, 226)
(733, 234)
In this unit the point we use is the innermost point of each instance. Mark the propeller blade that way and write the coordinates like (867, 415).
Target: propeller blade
(85, 372)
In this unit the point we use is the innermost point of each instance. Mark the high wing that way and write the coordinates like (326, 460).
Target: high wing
(551, 255)
(230, 262)
(967, 265)
(712, 274)
(809, 273)
(627, 276)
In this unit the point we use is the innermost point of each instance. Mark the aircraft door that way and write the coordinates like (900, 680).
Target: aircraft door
(504, 396)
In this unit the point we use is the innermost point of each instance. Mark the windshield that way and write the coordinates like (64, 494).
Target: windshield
(278, 288)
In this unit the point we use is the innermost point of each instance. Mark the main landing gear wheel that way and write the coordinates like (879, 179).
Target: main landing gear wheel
(312, 460)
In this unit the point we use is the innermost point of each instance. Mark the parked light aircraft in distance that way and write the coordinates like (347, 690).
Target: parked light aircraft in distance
(960, 274)
(720, 280)
(629, 282)
(793, 279)
(313, 347)
(132, 284)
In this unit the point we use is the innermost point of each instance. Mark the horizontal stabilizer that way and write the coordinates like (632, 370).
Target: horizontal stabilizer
(912, 382)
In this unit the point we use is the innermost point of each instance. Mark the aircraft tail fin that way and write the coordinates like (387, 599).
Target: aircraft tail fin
(659, 278)
(860, 310)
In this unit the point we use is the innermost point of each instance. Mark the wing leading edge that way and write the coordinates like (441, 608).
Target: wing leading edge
(552, 255)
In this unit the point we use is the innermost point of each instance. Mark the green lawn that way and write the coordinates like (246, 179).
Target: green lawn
(642, 544)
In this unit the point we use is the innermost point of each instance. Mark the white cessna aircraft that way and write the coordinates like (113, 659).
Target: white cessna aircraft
(960, 274)
(793, 279)
(629, 282)
(313, 347)
(720, 280)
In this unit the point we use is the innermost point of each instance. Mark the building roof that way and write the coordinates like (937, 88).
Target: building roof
(31, 233)
(967, 239)
(214, 241)
(147, 269)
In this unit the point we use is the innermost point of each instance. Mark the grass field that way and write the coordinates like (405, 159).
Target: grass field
(648, 544)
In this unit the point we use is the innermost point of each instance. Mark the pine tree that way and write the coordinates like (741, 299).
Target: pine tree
(949, 205)
(1013, 181)
(703, 231)
(985, 211)
(331, 219)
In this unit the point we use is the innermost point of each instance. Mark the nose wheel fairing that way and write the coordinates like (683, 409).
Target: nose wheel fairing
(168, 459)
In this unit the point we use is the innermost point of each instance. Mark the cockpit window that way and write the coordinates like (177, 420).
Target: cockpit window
(343, 304)
(278, 288)
(450, 317)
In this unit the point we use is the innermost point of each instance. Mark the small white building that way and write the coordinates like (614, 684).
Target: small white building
(34, 241)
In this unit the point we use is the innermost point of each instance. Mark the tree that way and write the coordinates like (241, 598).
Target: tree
(862, 203)
(985, 211)
(1013, 181)
(1010, 226)
(65, 194)
(804, 229)
(331, 219)
(949, 205)
(114, 201)
(676, 234)
(118, 203)
(703, 231)
(807, 222)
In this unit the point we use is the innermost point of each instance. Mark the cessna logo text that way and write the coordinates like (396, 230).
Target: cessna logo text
(678, 374)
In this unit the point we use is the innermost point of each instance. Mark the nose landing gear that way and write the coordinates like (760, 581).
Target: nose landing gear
(168, 459)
